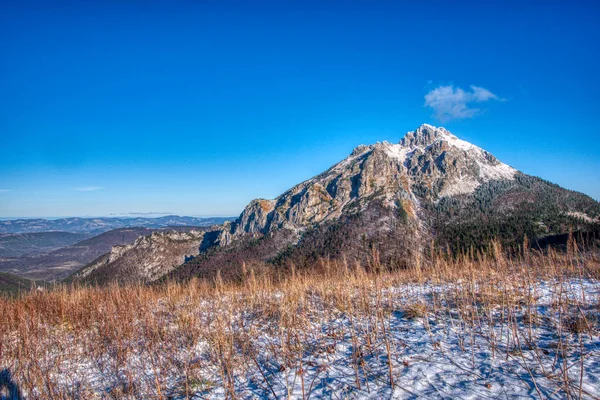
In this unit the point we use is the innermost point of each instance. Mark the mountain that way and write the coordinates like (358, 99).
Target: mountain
(58, 264)
(387, 202)
(102, 224)
(426, 165)
(13, 245)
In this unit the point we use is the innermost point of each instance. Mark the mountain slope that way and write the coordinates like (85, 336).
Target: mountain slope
(386, 202)
(146, 259)
(511, 210)
(11, 285)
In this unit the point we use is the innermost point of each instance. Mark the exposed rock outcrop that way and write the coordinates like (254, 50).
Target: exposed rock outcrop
(145, 260)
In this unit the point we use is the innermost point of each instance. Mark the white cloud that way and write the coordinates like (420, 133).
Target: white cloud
(88, 188)
(449, 102)
(4, 190)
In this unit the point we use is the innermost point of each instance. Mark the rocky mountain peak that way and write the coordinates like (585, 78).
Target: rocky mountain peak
(427, 164)
(424, 135)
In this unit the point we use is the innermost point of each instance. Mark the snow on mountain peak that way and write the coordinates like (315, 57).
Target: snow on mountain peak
(426, 136)
(436, 141)
(465, 164)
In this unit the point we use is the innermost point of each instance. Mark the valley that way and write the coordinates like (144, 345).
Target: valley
(55, 265)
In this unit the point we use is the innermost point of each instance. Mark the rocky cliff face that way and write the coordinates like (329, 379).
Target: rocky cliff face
(144, 260)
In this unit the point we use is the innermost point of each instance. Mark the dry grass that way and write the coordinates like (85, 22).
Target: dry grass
(274, 338)
(416, 310)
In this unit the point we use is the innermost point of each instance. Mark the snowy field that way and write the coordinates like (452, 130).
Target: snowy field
(357, 340)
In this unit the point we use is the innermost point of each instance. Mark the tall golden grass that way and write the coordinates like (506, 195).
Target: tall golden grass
(206, 338)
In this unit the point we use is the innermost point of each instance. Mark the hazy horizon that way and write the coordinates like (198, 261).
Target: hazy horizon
(150, 215)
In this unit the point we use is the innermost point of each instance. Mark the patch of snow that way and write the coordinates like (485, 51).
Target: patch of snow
(583, 216)
(463, 185)
(397, 152)
(436, 355)
(489, 171)
(456, 142)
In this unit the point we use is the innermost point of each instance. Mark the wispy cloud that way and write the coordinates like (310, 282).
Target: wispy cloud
(4, 190)
(88, 188)
(449, 102)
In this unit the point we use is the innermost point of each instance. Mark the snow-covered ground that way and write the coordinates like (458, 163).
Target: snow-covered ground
(404, 341)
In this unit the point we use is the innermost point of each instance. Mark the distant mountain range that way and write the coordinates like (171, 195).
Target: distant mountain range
(103, 224)
(14, 245)
(385, 201)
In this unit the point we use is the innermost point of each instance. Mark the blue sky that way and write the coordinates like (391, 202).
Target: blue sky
(195, 108)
